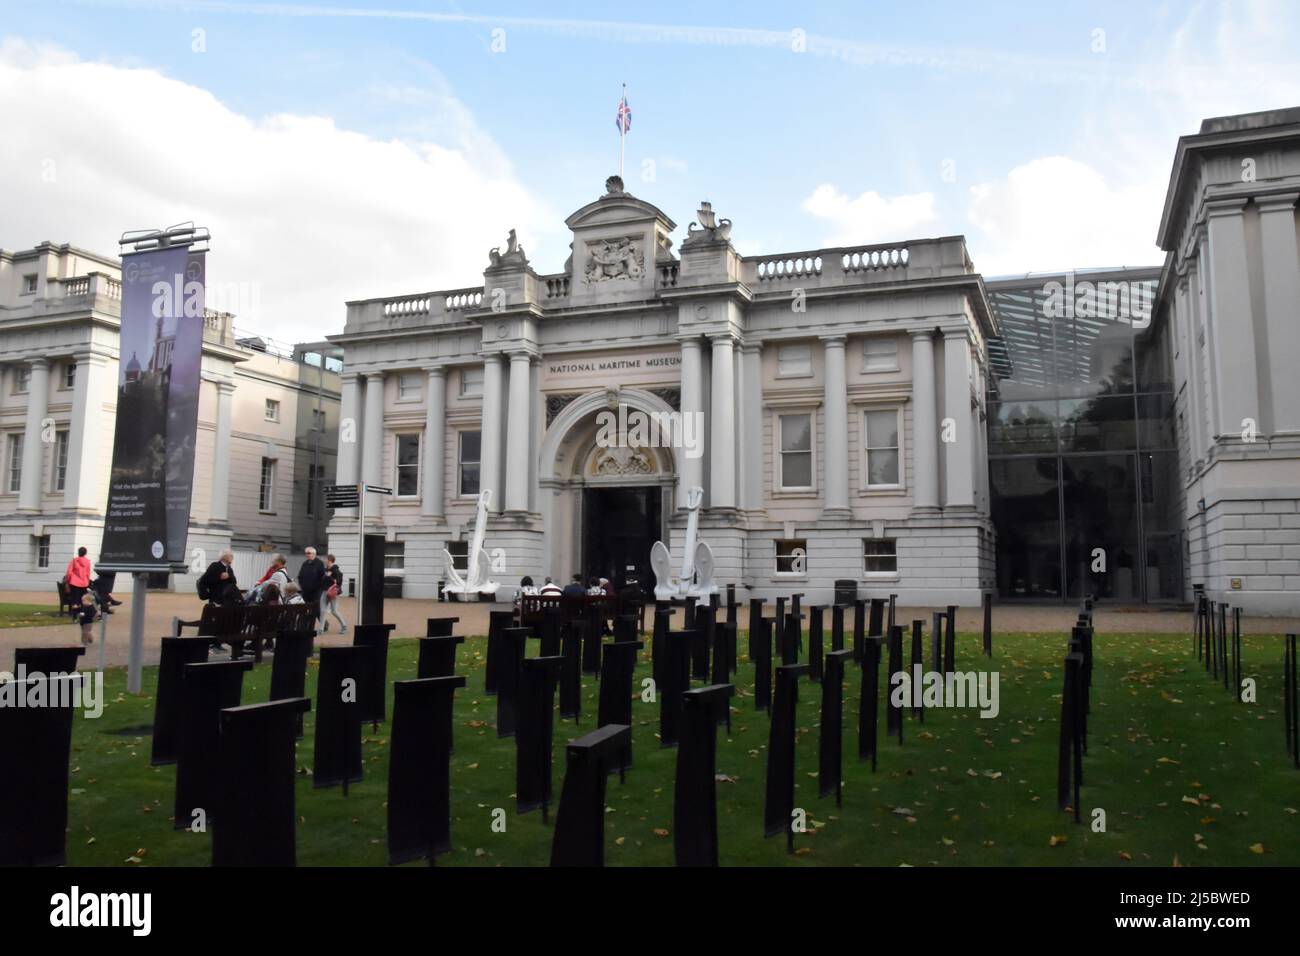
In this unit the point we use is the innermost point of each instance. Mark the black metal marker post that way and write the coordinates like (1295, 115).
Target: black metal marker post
(897, 678)
(918, 668)
(513, 643)
(419, 768)
(815, 647)
(534, 733)
(580, 821)
(868, 703)
(614, 705)
(988, 623)
(695, 791)
(830, 765)
(206, 690)
(498, 621)
(571, 670)
(950, 641)
(176, 653)
(760, 652)
(35, 748)
(337, 747)
(374, 683)
(859, 631)
(936, 642)
(778, 808)
(677, 680)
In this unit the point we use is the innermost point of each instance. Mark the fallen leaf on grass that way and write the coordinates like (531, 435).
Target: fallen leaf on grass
(1257, 848)
(1058, 840)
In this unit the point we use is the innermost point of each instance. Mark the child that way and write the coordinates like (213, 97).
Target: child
(86, 616)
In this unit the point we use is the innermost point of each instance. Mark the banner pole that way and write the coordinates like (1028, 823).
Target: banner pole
(103, 637)
(135, 654)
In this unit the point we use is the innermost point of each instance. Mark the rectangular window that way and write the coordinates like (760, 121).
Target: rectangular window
(315, 481)
(15, 463)
(272, 410)
(406, 481)
(266, 495)
(61, 443)
(70, 375)
(459, 551)
(879, 556)
(408, 386)
(42, 552)
(880, 355)
(29, 284)
(394, 556)
(318, 419)
(796, 463)
(794, 360)
(470, 443)
(792, 556)
(471, 382)
(22, 379)
(882, 448)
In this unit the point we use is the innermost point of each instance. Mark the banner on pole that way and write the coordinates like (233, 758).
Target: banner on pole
(152, 478)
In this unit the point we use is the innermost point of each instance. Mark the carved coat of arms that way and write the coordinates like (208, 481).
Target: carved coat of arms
(614, 259)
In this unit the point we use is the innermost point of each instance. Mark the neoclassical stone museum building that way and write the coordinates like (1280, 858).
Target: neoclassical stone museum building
(830, 404)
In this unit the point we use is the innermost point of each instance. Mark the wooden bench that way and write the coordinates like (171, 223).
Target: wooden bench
(573, 606)
(250, 624)
(66, 603)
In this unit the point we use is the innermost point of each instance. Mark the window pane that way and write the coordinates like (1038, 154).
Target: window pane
(408, 449)
(469, 446)
(796, 469)
(469, 479)
(796, 432)
(882, 429)
(1027, 515)
(1098, 424)
(792, 556)
(882, 467)
(881, 353)
(1017, 427)
(794, 360)
(1101, 512)
(879, 555)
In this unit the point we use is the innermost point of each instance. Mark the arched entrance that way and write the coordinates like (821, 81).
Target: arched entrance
(605, 503)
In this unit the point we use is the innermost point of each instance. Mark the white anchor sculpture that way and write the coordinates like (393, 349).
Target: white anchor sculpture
(696, 579)
(478, 578)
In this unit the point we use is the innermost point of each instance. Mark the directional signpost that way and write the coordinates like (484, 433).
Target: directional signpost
(351, 496)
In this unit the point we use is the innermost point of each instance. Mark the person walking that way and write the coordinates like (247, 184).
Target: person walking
(329, 598)
(77, 577)
(217, 586)
(311, 577)
(87, 614)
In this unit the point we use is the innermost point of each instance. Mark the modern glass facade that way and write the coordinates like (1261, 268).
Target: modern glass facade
(1083, 464)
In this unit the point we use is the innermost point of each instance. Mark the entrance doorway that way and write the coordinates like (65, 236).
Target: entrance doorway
(619, 526)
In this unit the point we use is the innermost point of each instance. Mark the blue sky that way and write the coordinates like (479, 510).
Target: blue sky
(1043, 132)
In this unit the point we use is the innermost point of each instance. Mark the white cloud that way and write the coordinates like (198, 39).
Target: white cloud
(310, 214)
(870, 217)
(1057, 213)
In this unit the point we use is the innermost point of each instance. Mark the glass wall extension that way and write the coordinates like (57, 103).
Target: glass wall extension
(1082, 460)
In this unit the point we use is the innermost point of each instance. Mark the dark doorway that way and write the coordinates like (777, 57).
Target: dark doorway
(619, 526)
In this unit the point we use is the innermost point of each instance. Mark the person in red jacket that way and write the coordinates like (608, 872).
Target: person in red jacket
(77, 577)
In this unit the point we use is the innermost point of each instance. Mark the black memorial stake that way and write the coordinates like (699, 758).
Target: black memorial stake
(950, 641)
(337, 755)
(513, 644)
(571, 670)
(859, 630)
(677, 680)
(533, 737)
(35, 745)
(549, 631)
(47, 661)
(419, 768)
(254, 817)
(815, 647)
(897, 677)
(702, 642)
(580, 821)
(778, 808)
(176, 653)
(437, 655)
(695, 793)
(206, 690)
(374, 686)
(918, 668)
(289, 670)
(869, 700)
(936, 642)
(837, 627)
(760, 652)
(830, 764)
(615, 702)
(498, 621)
(988, 623)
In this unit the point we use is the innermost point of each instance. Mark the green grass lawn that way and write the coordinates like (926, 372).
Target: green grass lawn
(1183, 773)
(30, 615)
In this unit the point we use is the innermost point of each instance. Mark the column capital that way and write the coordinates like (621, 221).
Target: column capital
(527, 354)
(728, 338)
(918, 334)
(377, 375)
(437, 371)
(1277, 202)
(751, 348)
(690, 342)
(834, 340)
(39, 362)
(225, 387)
(1229, 206)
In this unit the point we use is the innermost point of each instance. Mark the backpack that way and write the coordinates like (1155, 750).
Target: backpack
(201, 585)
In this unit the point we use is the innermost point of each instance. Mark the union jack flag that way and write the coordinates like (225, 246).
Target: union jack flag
(624, 118)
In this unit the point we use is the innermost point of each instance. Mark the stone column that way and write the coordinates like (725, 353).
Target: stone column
(958, 454)
(1237, 380)
(219, 512)
(349, 435)
(722, 446)
(1277, 228)
(435, 443)
(925, 424)
(518, 432)
(490, 454)
(751, 443)
(372, 436)
(690, 470)
(38, 395)
(835, 444)
(80, 490)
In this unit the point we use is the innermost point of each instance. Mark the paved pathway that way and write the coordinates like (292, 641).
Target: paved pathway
(409, 615)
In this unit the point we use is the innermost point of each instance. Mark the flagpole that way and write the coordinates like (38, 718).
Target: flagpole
(622, 134)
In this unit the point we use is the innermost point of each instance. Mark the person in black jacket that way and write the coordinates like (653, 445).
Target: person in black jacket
(312, 577)
(218, 581)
